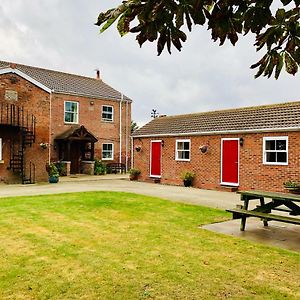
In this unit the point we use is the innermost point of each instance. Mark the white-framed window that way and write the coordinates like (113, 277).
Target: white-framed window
(71, 112)
(183, 150)
(107, 113)
(107, 151)
(275, 150)
(0, 149)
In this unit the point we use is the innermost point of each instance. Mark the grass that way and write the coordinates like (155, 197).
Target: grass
(104, 245)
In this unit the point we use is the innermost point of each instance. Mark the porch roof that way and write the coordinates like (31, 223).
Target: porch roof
(77, 132)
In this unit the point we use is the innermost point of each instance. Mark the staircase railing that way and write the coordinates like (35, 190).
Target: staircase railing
(16, 116)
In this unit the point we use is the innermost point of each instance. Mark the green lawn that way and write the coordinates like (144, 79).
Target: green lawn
(104, 245)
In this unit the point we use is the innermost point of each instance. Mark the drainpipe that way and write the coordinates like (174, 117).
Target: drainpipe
(50, 128)
(120, 155)
(131, 152)
(126, 136)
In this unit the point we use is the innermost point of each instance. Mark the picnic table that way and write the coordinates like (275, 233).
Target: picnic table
(269, 202)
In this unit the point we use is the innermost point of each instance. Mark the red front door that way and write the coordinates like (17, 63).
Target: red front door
(155, 162)
(230, 161)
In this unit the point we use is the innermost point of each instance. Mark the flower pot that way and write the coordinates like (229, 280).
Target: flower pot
(53, 179)
(187, 182)
(293, 190)
(133, 177)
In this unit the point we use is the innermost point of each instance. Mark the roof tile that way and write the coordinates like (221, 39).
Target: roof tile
(275, 116)
(65, 83)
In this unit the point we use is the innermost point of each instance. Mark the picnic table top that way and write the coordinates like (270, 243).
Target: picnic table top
(272, 195)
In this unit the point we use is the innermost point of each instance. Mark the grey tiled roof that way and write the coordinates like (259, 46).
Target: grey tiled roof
(268, 117)
(65, 83)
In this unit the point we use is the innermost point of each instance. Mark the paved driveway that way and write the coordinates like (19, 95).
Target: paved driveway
(121, 183)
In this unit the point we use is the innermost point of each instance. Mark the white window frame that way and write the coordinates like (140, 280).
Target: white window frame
(176, 150)
(112, 152)
(275, 138)
(112, 114)
(0, 149)
(77, 115)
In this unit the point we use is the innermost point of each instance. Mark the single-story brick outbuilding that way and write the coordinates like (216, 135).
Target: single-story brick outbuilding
(245, 148)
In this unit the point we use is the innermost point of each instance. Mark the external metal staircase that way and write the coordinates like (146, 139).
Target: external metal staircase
(24, 124)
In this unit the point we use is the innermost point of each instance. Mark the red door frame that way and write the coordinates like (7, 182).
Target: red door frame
(236, 163)
(156, 173)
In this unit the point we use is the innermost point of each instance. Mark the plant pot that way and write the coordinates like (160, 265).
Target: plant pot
(187, 182)
(53, 179)
(293, 190)
(133, 177)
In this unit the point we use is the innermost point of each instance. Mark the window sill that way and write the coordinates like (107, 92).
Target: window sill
(1, 161)
(70, 123)
(275, 164)
(182, 160)
(107, 159)
(107, 121)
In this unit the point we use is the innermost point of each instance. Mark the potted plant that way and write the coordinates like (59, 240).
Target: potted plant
(134, 174)
(53, 173)
(292, 186)
(188, 178)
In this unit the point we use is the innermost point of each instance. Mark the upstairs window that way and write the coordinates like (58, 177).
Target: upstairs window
(71, 112)
(275, 150)
(107, 113)
(183, 149)
(107, 151)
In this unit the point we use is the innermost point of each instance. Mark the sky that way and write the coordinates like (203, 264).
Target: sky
(61, 35)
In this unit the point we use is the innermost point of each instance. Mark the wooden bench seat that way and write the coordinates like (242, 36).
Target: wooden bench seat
(239, 213)
(115, 167)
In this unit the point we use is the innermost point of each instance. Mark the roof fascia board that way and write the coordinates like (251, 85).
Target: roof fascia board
(25, 76)
(219, 132)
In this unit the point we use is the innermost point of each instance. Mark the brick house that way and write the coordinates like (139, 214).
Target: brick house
(48, 116)
(246, 148)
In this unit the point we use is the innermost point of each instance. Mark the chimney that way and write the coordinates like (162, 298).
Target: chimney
(97, 74)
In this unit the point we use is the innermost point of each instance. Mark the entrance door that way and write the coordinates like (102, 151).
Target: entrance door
(230, 162)
(75, 157)
(155, 159)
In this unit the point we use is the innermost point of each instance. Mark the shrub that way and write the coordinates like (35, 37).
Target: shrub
(52, 170)
(99, 168)
(134, 172)
(61, 168)
(188, 175)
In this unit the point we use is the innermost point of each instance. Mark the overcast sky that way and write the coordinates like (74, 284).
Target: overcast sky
(60, 35)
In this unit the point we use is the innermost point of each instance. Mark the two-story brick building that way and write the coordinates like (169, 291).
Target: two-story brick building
(48, 116)
(245, 148)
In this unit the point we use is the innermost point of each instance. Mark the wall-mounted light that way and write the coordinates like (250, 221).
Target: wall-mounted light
(162, 143)
(92, 102)
(138, 148)
(203, 148)
(241, 141)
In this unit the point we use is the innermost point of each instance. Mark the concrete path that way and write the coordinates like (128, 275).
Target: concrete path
(81, 183)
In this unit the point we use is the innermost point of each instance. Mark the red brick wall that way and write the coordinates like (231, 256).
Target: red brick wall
(253, 174)
(36, 102)
(90, 118)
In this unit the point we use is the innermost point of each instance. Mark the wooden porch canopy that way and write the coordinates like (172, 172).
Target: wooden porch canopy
(76, 139)
(77, 133)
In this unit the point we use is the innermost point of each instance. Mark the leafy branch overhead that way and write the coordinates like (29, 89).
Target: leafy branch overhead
(275, 24)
